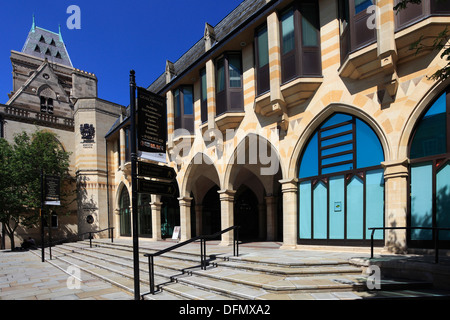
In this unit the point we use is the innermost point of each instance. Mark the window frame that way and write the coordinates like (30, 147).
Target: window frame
(437, 161)
(229, 99)
(296, 59)
(203, 93)
(183, 120)
(350, 31)
(262, 72)
(46, 105)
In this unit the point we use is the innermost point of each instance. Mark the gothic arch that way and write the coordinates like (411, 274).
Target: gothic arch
(319, 119)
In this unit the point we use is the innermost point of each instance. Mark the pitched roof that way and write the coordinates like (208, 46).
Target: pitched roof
(230, 23)
(48, 45)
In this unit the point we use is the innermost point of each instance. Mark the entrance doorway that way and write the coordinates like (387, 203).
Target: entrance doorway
(246, 214)
(211, 212)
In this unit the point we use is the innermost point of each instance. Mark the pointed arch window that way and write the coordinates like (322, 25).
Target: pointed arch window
(429, 187)
(341, 183)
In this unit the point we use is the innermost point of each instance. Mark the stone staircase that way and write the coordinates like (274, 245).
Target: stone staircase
(178, 275)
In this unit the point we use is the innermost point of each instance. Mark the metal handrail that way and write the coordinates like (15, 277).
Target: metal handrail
(203, 261)
(435, 236)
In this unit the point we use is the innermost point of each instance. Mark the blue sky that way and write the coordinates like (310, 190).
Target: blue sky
(115, 36)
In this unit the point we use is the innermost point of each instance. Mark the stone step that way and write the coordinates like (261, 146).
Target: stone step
(238, 278)
(120, 273)
(279, 268)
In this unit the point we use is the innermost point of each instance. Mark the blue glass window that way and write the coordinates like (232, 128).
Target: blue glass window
(361, 5)
(342, 143)
(430, 137)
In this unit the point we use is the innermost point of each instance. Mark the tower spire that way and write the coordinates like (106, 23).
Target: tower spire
(33, 26)
(59, 33)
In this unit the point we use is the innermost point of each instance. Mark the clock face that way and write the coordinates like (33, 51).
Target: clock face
(46, 76)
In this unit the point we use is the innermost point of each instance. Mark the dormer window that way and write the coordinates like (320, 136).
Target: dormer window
(48, 52)
(46, 105)
(42, 39)
(37, 49)
(53, 42)
(58, 55)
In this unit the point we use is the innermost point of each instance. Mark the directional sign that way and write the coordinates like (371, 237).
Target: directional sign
(52, 190)
(150, 170)
(157, 187)
(152, 122)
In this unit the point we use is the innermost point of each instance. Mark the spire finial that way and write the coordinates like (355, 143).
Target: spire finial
(59, 32)
(33, 26)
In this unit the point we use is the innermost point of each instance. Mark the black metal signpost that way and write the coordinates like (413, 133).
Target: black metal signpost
(50, 195)
(134, 195)
(148, 135)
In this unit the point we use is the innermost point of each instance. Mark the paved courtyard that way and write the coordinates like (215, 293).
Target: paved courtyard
(24, 277)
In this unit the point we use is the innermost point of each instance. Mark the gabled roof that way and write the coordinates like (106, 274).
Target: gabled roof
(232, 22)
(48, 45)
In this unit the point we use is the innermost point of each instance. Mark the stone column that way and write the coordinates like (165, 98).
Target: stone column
(289, 189)
(271, 218)
(122, 147)
(227, 215)
(185, 217)
(211, 93)
(396, 203)
(156, 217)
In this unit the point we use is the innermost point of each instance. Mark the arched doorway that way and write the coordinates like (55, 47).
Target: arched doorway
(211, 222)
(170, 216)
(125, 213)
(246, 214)
(341, 184)
(429, 187)
(254, 175)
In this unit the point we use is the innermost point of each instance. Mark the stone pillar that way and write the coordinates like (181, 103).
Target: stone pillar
(156, 217)
(271, 218)
(198, 219)
(185, 218)
(289, 189)
(211, 93)
(122, 147)
(396, 203)
(227, 215)
(274, 39)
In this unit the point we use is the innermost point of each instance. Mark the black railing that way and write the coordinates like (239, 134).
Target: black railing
(435, 237)
(90, 233)
(203, 262)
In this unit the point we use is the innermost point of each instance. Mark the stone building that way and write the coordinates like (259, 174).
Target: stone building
(50, 94)
(304, 122)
